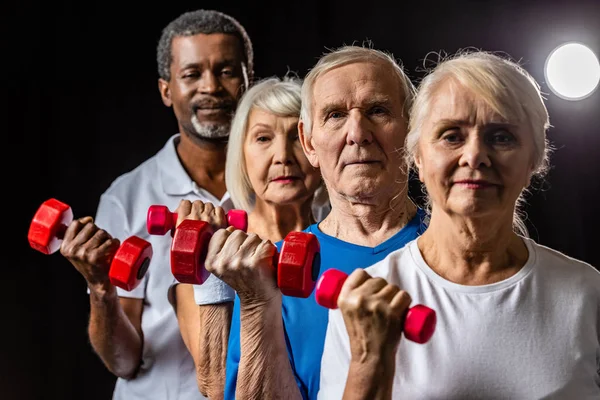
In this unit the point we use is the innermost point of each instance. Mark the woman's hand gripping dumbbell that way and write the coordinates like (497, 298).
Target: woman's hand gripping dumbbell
(373, 299)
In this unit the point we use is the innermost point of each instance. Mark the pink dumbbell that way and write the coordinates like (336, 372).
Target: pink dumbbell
(161, 220)
(420, 320)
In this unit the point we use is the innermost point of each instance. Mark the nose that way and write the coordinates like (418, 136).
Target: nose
(283, 151)
(359, 129)
(475, 153)
(209, 83)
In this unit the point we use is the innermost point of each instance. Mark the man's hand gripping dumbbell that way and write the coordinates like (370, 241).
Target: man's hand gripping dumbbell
(100, 258)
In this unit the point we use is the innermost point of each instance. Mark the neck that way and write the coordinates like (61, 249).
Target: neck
(368, 222)
(204, 161)
(274, 222)
(472, 251)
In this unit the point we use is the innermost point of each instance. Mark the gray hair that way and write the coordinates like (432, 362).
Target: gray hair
(505, 86)
(207, 22)
(350, 55)
(276, 96)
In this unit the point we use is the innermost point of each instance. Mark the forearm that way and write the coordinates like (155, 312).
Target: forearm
(211, 354)
(370, 380)
(112, 335)
(264, 371)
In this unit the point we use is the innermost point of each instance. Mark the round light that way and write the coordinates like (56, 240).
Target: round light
(572, 71)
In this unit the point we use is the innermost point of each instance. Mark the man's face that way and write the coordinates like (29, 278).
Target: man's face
(207, 78)
(357, 129)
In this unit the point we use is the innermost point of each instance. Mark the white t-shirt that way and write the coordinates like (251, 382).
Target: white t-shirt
(167, 370)
(535, 335)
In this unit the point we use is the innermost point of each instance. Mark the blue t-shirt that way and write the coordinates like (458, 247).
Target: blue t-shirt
(305, 321)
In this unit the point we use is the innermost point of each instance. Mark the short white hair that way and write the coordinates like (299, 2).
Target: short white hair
(351, 55)
(505, 86)
(278, 96)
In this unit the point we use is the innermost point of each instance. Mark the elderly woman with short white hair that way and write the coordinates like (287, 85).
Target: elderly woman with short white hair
(515, 319)
(267, 175)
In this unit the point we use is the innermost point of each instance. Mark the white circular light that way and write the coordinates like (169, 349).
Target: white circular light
(572, 71)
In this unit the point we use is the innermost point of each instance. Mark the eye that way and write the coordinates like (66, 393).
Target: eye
(335, 115)
(191, 75)
(378, 110)
(227, 72)
(451, 136)
(502, 137)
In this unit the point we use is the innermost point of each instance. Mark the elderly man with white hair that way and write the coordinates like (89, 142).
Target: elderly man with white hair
(352, 126)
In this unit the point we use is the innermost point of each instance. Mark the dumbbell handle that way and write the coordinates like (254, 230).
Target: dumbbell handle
(161, 220)
(419, 322)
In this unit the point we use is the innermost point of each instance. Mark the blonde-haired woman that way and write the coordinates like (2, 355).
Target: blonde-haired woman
(516, 320)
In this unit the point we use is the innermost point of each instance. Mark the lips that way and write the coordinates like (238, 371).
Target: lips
(357, 162)
(285, 178)
(475, 183)
(212, 106)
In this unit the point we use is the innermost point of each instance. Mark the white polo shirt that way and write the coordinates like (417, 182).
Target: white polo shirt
(167, 370)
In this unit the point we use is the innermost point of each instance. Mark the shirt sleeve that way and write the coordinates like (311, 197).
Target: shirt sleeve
(335, 362)
(112, 217)
(213, 291)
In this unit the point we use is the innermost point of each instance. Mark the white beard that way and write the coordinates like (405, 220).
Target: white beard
(210, 131)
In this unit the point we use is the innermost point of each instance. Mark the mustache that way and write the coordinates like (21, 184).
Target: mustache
(213, 103)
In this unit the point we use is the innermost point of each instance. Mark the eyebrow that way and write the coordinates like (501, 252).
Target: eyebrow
(461, 122)
(223, 63)
(260, 125)
(370, 103)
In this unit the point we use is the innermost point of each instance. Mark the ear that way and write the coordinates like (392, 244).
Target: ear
(419, 164)
(307, 145)
(165, 92)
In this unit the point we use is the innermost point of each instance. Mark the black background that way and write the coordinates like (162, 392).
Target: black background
(80, 106)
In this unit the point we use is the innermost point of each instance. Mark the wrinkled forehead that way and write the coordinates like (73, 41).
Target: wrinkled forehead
(357, 84)
(452, 101)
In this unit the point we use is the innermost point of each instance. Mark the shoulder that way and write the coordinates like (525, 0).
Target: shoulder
(401, 256)
(564, 268)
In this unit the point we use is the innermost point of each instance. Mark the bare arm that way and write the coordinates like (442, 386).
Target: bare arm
(205, 332)
(265, 371)
(370, 379)
(115, 331)
(115, 325)
(372, 310)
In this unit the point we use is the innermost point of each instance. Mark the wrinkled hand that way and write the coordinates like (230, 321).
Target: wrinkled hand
(373, 312)
(245, 262)
(90, 249)
(201, 211)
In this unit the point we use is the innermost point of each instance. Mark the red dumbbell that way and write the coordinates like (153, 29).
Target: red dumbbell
(161, 220)
(190, 241)
(420, 320)
(128, 265)
(298, 264)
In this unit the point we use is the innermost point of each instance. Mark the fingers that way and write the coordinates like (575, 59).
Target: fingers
(215, 246)
(354, 280)
(400, 303)
(183, 211)
(202, 211)
(76, 226)
(82, 233)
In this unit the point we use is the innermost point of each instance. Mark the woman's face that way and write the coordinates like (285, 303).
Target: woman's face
(472, 161)
(279, 171)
